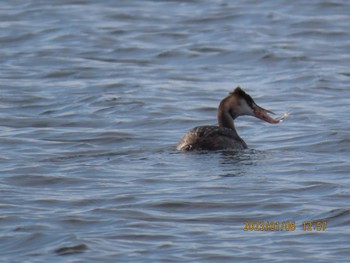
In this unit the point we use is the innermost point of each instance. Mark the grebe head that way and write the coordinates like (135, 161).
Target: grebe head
(247, 106)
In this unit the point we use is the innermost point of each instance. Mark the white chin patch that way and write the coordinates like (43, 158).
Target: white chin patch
(244, 109)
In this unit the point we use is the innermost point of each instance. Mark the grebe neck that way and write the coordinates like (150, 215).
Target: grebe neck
(225, 120)
(227, 112)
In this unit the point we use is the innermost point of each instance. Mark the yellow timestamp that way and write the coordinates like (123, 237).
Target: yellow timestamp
(315, 226)
(284, 226)
(269, 226)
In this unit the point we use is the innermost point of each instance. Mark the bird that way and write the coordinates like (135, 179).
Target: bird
(224, 136)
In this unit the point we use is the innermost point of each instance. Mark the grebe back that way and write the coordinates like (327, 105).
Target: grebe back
(225, 136)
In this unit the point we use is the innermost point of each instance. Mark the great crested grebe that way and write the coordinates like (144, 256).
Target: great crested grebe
(225, 136)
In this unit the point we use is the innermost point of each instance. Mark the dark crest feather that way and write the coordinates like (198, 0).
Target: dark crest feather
(241, 93)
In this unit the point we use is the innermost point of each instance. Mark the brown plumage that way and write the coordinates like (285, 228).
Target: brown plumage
(225, 136)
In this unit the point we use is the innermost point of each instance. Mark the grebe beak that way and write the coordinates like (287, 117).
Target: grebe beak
(262, 114)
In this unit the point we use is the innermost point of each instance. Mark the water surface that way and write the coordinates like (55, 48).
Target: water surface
(95, 95)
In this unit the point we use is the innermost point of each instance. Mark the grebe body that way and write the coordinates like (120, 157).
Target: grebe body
(224, 136)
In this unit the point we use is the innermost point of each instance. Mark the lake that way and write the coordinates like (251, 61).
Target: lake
(95, 95)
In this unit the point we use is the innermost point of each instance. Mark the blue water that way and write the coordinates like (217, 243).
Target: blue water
(94, 96)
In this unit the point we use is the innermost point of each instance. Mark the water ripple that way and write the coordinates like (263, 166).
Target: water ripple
(94, 97)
